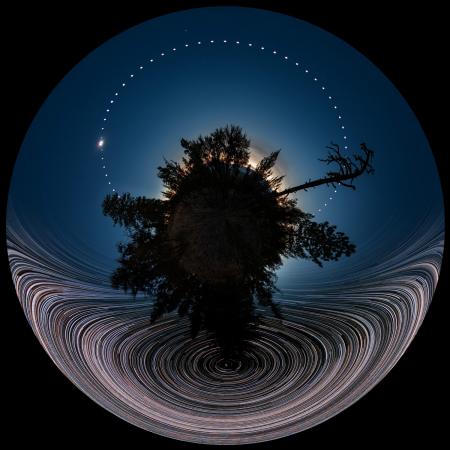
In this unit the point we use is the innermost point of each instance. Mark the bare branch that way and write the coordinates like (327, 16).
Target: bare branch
(348, 169)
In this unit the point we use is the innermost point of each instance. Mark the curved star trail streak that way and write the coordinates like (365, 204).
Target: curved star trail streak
(335, 344)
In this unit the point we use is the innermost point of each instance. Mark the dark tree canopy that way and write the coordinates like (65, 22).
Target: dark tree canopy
(210, 248)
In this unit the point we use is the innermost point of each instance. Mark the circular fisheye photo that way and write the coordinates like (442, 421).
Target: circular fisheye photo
(212, 231)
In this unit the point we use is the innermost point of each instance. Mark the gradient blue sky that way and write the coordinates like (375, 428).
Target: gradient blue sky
(58, 182)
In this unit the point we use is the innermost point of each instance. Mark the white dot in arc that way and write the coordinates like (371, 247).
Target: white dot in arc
(335, 191)
(262, 48)
(315, 79)
(162, 54)
(325, 204)
(104, 119)
(306, 70)
(320, 210)
(331, 198)
(329, 97)
(109, 182)
(323, 88)
(237, 42)
(250, 45)
(296, 63)
(102, 158)
(174, 49)
(346, 147)
(186, 45)
(141, 67)
(151, 60)
(345, 137)
(107, 110)
(123, 84)
(116, 94)
(274, 52)
(100, 142)
(114, 190)
(224, 41)
(199, 42)
(342, 127)
(212, 42)
(104, 167)
(132, 75)
(335, 107)
(106, 174)
(285, 57)
(339, 117)
(111, 101)
(103, 128)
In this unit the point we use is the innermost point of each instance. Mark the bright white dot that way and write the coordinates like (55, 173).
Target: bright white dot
(104, 167)
(315, 79)
(306, 70)
(212, 42)
(224, 41)
(274, 52)
(329, 97)
(335, 107)
(345, 149)
(141, 67)
(109, 182)
(339, 117)
(335, 191)
(102, 158)
(132, 75)
(104, 119)
(342, 127)
(103, 128)
(323, 88)
(112, 101)
(151, 60)
(174, 49)
(262, 48)
(199, 42)
(285, 57)
(345, 137)
(331, 198)
(101, 142)
(162, 54)
(237, 42)
(114, 190)
(250, 45)
(325, 204)
(106, 174)
(186, 45)
(320, 210)
(296, 64)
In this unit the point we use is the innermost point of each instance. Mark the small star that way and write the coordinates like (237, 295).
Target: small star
(101, 142)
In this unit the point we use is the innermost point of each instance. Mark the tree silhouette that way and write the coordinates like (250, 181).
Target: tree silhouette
(211, 246)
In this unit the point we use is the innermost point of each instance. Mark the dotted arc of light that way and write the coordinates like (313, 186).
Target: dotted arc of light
(101, 142)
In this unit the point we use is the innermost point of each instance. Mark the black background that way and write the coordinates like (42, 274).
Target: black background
(41, 45)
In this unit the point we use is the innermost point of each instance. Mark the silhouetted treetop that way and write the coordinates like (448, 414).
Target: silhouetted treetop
(211, 246)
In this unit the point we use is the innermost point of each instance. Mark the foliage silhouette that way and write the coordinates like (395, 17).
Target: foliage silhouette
(211, 246)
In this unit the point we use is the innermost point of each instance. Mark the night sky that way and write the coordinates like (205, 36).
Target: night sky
(196, 89)
(290, 86)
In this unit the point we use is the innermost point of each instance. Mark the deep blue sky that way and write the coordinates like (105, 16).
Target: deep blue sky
(59, 183)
